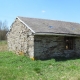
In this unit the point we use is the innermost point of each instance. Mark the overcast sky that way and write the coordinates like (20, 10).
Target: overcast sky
(65, 10)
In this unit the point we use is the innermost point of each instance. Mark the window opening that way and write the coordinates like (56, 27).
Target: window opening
(69, 43)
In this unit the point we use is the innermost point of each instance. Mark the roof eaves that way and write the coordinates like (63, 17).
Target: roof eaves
(58, 34)
(26, 25)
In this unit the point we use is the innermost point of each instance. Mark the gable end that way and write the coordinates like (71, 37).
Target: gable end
(25, 24)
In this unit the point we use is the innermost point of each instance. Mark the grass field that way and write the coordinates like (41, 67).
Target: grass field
(15, 67)
(3, 45)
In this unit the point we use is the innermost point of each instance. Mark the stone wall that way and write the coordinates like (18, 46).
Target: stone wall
(20, 39)
(77, 46)
(48, 46)
(54, 46)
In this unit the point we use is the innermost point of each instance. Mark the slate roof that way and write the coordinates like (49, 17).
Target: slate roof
(51, 26)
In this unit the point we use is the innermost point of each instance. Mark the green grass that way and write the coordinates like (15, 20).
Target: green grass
(14, 67)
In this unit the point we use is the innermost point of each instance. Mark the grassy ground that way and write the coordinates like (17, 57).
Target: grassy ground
(14, 67)
(3, 45)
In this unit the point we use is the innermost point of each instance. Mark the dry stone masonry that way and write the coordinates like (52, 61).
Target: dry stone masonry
(20, 39)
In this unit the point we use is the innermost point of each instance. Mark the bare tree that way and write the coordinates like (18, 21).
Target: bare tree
(3, 30)
(4, 25)
(0, 24)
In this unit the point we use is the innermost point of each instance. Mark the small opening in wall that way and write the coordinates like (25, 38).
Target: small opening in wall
(68, 43)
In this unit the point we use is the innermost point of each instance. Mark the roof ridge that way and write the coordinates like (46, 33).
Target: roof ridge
(49, 19)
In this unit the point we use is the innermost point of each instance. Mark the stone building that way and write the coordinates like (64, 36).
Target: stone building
(43, 39)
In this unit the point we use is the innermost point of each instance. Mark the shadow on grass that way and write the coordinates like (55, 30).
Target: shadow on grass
(65, 59)
(59, 58)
